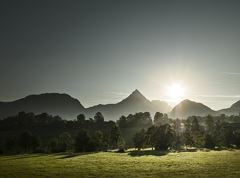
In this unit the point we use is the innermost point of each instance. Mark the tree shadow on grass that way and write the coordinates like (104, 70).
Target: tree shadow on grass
(162, 153)
(21, 156)
(147, 153)
(72, 155)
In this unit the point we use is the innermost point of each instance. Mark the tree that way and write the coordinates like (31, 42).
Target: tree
(139, 139)
(149, 136)
(195, 125)
(209, 142)
(228, 136)
(115, 137)
(52, 146)
(196, 133)
(163, 137)
(122, 122)
(81, 118)
(98, 118)
(27, 142)
(65, 142)
(237, 138)
(98, 141)
(188, 139)
(10, 144)
(158, 118)
(209, 124)
(177, 126)
(147, 117)
(82, 141)
(178, 136)
(218, 133)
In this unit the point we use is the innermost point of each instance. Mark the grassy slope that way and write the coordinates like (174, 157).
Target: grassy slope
(184, 164)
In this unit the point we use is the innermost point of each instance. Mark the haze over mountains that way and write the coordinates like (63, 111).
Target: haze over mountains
(68, 107)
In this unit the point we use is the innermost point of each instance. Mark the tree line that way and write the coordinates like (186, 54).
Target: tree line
(30, 133)
(198, 132)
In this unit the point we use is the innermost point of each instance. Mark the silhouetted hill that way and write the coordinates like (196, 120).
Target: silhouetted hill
(68, 107)
(188, 108)
(233, 110)
(161, 105)
(52, 103)
(135, 102)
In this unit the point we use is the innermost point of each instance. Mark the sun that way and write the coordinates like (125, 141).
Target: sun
(176, 92)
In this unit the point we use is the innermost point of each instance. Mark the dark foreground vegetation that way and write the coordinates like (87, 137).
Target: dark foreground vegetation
(219, 132)
(29, 133)
(43, 133)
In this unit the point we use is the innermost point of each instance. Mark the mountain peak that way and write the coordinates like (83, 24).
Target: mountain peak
(187, 101)
(135, 97)
(136, 92)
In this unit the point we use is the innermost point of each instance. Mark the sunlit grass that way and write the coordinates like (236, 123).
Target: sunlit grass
(151, 164)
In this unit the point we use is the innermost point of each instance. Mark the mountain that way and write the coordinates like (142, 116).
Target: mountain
(188, 108)
(68, 107)
(233, 110)
(135, 102)
(51, 103)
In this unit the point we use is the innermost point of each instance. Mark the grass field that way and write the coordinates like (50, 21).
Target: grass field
(128, 165)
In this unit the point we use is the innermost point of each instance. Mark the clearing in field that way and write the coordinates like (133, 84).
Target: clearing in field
(130, 164)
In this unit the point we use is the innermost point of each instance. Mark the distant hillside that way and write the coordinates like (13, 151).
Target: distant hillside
(233, 110)
(189, 108)
(52, 103)
(135, 102)
(68, 107)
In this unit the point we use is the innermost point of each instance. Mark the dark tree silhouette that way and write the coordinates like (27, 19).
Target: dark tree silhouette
(122, 122)
(158, 118)
(209, 124)
(27, 142)
(98, 141)
(82, 141)
(209, 142)
(139, 139)
(188, 139)
(98, 117)
(65, 142)
(115, 137)
(162, 137)
(81, 118)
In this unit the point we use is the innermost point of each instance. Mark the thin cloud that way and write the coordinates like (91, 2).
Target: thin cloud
(117, 94)
(232, 73)
(218, 96)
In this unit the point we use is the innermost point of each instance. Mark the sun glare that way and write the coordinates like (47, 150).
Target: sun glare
(176, 92)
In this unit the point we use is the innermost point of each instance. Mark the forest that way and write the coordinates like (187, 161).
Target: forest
(43, 133)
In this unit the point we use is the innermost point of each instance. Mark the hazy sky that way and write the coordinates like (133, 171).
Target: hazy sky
(100, 51)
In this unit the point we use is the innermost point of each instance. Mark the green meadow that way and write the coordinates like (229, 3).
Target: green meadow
(130, 164)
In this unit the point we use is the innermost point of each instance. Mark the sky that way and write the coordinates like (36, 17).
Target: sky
(100, 51)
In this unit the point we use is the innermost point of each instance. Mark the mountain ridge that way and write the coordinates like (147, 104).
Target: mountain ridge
(68, 107)
(53, 103)
(188, 108)
(135, 102)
